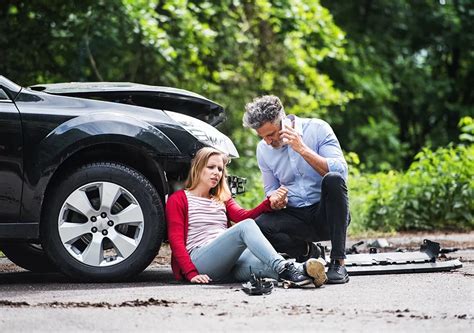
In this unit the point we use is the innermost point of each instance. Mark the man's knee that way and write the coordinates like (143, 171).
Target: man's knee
(265, 224)
(333, 181)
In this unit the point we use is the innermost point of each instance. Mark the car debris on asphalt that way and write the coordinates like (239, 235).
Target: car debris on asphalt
(398, 262)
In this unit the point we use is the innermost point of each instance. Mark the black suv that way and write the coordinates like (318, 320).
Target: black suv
(85, 169)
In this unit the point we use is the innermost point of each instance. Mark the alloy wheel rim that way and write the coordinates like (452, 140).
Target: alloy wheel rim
(101, 224)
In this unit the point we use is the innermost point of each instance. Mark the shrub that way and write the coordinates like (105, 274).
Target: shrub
(435, 193)
(438, 190)
(369, 199)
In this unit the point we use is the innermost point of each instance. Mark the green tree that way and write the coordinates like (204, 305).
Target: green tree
(411, 68)
(231, 51)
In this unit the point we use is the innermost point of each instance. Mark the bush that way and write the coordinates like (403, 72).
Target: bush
(435, 193)
(438, 190)
(369, 197)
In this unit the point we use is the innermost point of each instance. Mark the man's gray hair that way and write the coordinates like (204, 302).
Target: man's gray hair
(262, 110)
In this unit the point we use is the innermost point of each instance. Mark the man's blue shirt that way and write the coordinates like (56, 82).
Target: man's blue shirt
(284, 166)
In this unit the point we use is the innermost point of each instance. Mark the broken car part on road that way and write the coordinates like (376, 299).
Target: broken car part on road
(257, 285)
(423, 261)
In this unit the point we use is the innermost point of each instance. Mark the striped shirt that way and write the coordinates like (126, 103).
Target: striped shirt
(207, 220)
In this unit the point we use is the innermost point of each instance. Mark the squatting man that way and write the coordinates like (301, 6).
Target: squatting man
(305, 157)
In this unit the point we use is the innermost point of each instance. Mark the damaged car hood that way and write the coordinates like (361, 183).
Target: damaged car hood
(155, 97)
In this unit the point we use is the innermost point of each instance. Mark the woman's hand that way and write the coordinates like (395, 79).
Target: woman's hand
(201, 278)
(279, 198)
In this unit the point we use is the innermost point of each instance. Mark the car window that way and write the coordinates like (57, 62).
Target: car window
(3, 96)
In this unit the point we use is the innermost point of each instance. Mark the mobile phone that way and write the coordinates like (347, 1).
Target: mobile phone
(286, 122)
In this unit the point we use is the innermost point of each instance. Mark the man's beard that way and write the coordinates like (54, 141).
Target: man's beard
(277, 144)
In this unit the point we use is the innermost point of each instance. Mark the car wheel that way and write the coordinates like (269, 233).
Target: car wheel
(29, 256)
(104, 222)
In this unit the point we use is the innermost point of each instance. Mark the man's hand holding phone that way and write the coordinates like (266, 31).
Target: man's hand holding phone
(290, 136)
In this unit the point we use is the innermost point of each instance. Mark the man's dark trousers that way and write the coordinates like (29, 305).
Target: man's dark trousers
(289, 229)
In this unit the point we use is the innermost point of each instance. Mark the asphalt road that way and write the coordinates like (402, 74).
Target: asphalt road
(154, 301)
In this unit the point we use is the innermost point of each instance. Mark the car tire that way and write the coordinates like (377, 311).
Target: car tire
(75, 230)
(28, 256)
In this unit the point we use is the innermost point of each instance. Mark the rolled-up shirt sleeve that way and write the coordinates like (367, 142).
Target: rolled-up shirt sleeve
(330, 148)
(337, 165)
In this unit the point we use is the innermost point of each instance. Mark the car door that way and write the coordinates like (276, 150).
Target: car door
(11, 164)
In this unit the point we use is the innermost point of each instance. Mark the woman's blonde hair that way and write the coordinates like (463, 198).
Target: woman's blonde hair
(221, 191)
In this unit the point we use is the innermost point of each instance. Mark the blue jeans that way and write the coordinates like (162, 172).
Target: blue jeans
(240, 248)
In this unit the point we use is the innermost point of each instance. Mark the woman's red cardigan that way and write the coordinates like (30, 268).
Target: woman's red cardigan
(177, 220)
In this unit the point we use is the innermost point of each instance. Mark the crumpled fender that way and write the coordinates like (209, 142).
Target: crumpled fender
(84, 132)
(92, 129)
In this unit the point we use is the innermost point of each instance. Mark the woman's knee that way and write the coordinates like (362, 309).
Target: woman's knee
(247, 224)
(247, 227)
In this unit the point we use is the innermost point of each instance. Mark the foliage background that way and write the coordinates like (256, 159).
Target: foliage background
(393, 78)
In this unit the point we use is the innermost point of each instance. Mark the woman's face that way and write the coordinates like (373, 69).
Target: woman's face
(212, 172)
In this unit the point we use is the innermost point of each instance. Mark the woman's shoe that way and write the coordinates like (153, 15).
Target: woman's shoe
(315, 269)
(290, 273)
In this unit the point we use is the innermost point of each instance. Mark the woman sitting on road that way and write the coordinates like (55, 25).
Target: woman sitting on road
(204, 247)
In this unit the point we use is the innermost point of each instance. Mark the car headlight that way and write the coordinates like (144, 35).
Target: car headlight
(206, 134)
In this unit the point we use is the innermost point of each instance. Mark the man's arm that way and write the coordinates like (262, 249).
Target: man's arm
(318, 162)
